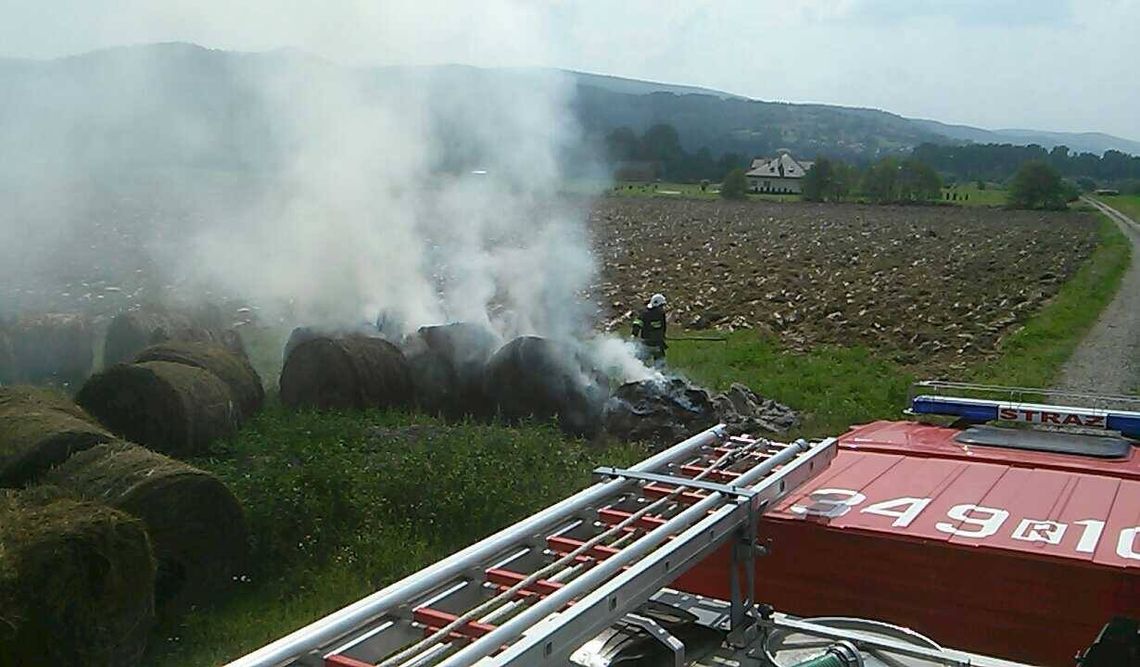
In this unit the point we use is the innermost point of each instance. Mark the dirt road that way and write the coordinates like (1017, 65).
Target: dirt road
(1108, 359)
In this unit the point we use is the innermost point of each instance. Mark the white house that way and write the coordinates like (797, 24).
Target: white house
(781, 174)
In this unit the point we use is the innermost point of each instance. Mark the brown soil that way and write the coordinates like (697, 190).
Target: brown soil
(935, 284)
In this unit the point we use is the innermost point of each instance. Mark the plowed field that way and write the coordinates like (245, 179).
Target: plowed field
(935, 285)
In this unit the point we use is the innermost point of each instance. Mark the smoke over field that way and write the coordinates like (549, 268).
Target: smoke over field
(311, 192)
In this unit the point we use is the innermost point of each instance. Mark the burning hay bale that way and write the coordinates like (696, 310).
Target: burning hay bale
(130, 333)
(234, 370)
(538, 377)
(54, 348)
(447, 365)
(348, 372)
(76, 582)
(40, 429)
(665, 411)
(170, 408)
(195, 523)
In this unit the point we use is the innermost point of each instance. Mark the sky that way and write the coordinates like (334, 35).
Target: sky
(1037, 64)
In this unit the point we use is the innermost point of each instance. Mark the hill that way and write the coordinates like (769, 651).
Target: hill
(181, 105)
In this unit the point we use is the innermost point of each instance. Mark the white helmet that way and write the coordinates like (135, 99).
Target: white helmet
(657, 300)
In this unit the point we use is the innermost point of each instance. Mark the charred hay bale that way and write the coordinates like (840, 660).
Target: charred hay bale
(130, 333)
(348, 372)
(40, 429)
(76, 582)
(537, 377)
(234, 370)
(661, 412)
(170, 408)
(447, 364)
(196, 525)
(56, 348)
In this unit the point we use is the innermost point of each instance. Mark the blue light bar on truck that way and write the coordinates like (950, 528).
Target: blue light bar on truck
(982, 410)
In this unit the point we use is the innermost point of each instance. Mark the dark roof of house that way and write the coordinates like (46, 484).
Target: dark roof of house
(781, 166)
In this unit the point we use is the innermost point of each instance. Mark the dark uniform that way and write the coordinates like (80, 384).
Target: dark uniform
(650, 327)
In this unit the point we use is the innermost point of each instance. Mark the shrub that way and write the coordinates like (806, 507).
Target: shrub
(735, 185)
(1037, 185)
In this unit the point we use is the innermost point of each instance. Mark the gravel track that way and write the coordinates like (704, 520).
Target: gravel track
(1108, 359)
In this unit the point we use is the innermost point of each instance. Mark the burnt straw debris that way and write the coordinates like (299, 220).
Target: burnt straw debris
(666, 411)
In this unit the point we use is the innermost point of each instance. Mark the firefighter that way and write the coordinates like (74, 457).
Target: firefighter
(650, 328)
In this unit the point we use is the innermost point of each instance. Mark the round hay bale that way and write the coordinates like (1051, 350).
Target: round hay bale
(301, 335)
(37, 399)
(130, 333)
(7, 359)
(76, 582)
(228, 367)
(39, 429)
(170, 408)
(349, 372)
(537, 377)
(53, 348)
(447, 363)
(196, 525)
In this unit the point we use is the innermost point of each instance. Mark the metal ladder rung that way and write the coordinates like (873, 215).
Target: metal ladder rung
(612, 517)
(563, 545)
(655, 491)
(345, 661)
(434, 619)
(715, 475)
(508, 578)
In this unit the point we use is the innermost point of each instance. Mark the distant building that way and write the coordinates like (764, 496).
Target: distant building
(780, 174)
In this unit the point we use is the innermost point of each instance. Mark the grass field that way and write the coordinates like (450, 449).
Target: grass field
(1126, 204)
(342, 504)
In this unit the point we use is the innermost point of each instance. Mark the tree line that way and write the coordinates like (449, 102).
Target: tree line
(891, 179)
(1036, 177)
(998, 162)
(657, 153)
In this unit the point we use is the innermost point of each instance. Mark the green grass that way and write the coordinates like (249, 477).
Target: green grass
(834, 387)
(683, 191)
(1127, 204)
(341, 504)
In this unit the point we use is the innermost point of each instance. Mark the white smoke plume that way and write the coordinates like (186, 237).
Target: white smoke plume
(318, 193)
(370, 218)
